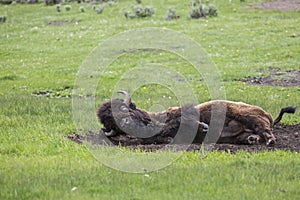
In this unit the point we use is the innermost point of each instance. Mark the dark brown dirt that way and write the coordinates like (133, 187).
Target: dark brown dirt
(276, 77)
(288, 139)
(283, 5)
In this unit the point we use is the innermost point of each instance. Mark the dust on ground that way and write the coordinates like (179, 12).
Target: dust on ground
(287, 139)
(276, 77)
(282, 5)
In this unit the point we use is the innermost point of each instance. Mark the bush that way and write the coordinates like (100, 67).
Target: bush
(6, 2)
(52, 2)
(140, 11)
(212, 10)
(82, 9)
(2, 19)
(171, 14)
(68, 7)
(201, 10)
(58, 7)
(100, 9)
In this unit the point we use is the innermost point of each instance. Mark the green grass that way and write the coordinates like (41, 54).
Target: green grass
(37, 162)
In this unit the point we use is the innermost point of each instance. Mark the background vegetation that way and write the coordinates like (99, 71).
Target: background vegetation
(41, 51)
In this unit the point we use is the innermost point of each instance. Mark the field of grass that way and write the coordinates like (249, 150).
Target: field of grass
(38, 162)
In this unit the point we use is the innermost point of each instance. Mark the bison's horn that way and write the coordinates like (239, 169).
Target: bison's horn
(127, 98)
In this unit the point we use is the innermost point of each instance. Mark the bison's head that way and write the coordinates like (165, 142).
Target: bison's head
(107, 112)
(118, 114)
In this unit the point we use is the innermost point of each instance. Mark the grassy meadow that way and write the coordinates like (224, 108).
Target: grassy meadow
(39, 63)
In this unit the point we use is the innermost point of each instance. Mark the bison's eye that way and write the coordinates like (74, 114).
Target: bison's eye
(124, 108)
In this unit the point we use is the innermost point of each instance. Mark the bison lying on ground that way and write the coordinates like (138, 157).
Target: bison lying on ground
(244, 123)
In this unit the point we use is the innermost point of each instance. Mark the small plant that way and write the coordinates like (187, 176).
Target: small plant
(129, 15)
(171, 14)
(111, 3)
(148, 11)
(139, 1)
(140, 11)
(100, 9)
(68, 7)
(58, 7)
(212, 10)
(51, 2)
(2, 19)
(81, 8)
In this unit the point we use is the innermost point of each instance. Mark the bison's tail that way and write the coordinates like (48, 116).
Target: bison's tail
(289, 109)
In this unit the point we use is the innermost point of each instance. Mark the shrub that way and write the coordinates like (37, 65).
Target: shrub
(111, 3)
(68, 7)
(100, 9)
(140, 11)
(171, 14)
(2, 19)
(202, 10)
(52, 2)
(32, 1)
(212, 10)
(6, 1)
(58, 7)
(81, 9)
(148, 11)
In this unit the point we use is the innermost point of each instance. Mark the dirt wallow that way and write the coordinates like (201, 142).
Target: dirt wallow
(287, 136)
(276, 77)
(287, 139)
(126, 125)
(282, 5)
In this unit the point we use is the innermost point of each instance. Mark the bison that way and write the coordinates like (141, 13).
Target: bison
(244, 123)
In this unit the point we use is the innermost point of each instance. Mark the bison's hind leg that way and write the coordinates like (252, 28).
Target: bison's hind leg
(253, 139)
(249, 138)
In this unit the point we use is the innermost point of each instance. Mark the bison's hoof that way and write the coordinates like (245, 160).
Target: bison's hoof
(253, 139)
(270, 142)
(205, 128)
(169, 140)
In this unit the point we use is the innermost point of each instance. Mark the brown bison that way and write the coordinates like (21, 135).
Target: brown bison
(244, 123)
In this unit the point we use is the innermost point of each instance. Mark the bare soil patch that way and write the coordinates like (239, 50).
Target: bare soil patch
(276, 77)
(288, 139)
(283, 5)
(62, 22)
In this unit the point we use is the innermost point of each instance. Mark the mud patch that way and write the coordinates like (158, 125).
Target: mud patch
(63, 92)
(283, 5)
(288, 139)
(277, 77)
(62, 23)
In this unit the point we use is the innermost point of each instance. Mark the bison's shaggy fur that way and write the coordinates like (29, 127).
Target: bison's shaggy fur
(120, 117)
(244, 123)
